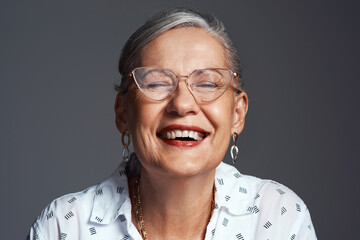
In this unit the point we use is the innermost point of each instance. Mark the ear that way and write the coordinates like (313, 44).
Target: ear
(120, 108)
(240, 110)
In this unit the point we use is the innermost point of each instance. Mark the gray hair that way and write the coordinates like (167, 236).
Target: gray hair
(171, 19)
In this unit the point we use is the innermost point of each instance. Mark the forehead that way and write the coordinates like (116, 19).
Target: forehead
(184, 50)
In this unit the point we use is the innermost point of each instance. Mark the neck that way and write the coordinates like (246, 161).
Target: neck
(174, 208)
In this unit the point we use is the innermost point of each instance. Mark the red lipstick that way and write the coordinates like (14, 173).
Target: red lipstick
(183, 142)
(182, 127)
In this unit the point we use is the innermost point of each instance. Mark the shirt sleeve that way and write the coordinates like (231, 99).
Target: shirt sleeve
(306, 230)
(34, 233)
(53, 222)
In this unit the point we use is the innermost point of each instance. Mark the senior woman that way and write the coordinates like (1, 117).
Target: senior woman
(181, 100)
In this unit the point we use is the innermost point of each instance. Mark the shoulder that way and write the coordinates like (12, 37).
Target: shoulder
(61, 212)
(86, 213)
(267, 193)
(272, 193)
(281, 204)
(279, 210)
(274, 209)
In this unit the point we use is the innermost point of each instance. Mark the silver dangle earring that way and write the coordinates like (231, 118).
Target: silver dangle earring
(126, 151)
(234, 149)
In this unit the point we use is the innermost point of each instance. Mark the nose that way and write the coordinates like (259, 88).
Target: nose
(182, 102)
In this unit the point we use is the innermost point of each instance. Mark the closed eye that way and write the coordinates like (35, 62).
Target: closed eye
(157, 85)
(205, 85)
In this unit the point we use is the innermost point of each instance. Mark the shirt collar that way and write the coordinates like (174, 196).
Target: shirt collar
(234, 191)
(110, 196)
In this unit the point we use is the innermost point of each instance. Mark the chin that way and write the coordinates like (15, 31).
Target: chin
(181, 168)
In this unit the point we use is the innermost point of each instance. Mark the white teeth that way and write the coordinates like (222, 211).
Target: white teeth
(191, 134)
(183, 134)
(196, 136)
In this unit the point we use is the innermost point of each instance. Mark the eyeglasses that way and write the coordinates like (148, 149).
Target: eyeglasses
(205, 84)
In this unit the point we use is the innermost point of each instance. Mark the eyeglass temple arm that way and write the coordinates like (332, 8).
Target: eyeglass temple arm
(235, 83)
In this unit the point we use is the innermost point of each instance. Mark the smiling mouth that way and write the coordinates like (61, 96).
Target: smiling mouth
(183, 135)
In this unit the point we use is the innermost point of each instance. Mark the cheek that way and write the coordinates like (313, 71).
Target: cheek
(139, 111)
(221, 113)
(143, 119)
(143, 132)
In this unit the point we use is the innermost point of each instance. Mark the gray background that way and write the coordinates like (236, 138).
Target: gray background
(300, 61)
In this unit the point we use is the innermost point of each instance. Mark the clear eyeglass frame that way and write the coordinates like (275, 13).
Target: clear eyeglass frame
(204, 84)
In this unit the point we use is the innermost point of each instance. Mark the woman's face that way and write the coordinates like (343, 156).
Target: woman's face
(151, 123)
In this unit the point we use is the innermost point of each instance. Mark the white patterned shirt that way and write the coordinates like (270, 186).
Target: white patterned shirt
(246, 208)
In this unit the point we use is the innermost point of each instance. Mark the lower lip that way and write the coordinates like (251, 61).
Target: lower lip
(178, 143)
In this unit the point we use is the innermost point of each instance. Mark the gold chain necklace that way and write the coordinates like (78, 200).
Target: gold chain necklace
(138, 208)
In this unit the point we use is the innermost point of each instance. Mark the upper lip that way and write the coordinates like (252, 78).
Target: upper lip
(174, 127)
